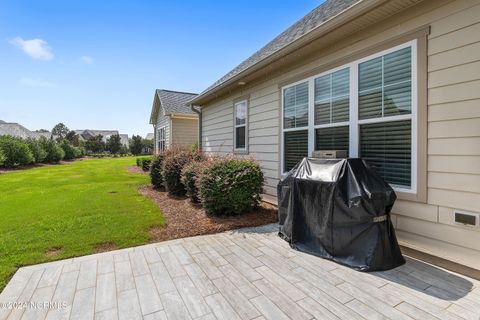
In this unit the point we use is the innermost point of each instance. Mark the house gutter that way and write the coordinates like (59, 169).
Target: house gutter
(334, 22)
(199, 112)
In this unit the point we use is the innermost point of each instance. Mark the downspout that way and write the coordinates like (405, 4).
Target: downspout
(199, 112)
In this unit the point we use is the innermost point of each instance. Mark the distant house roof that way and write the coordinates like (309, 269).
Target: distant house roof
(172, 102)
(175, 101)
(311, 21)
(149, 136)
(88, 133)
(17, 130)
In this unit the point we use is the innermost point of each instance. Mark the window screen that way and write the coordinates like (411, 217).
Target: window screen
(295, 148)
(334, 138)
(387, 146)
(332, 97)
(385, 85)
(295, 106)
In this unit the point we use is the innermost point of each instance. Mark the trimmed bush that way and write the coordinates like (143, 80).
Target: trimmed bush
(173, 163)
(231, 186)
(16, 152)
(39, 154)
(54, 152)
(2, 157)
(156, 170)
(190, 174)
(146, 164)
(69, 150)
(140, 161)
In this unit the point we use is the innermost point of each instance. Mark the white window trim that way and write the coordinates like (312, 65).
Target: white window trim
(235, 126)
(354, 123)
(164, 139)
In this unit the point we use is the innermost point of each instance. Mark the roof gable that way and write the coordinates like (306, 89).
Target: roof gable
(171, 102)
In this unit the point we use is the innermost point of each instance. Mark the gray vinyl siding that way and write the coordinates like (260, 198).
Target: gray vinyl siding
(162, 121)
(453, 171)
(184, 132)
(263, 130)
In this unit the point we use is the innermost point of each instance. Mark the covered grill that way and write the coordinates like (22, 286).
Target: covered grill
(339, 209)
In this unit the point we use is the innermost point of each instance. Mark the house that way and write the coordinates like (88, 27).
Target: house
(19, 131)
(86, 134)
(150, 136)
(396, 82)
(174, 122)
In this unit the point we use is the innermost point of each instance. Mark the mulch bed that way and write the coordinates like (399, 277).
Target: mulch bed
(135, 169)
(185, 219)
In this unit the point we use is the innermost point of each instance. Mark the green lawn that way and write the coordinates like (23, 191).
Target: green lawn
(75, 206)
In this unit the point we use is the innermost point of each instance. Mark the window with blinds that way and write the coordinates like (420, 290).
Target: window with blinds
(385, 85)
(295, 148)
(384, 124)
(295, 106)
(332, 97)
(240, 125)
(333, 138)
(386, 146)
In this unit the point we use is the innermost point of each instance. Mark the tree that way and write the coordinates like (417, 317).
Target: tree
(136, 145)
(147, 143)
(114, 144)
(73, 138)
(60, 131)
(95, 144)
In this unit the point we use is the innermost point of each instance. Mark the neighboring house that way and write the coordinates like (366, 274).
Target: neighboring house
(149, 136)
(86, 134)
(19, 131)
(394, 82)
(174, 122)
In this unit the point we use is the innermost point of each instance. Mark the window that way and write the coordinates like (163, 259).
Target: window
(295, 123)
(240, 125)
(161, 139)
(367, 107)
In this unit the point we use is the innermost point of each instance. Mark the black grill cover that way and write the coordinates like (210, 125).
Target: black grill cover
(339, 209)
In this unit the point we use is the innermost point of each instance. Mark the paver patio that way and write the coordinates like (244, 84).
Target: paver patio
(246, 274)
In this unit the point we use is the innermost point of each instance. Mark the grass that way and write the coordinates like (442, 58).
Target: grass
(70, 210)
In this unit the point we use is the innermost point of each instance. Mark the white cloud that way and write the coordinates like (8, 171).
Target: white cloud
(35, 48)
(37, 83)
(86, 59)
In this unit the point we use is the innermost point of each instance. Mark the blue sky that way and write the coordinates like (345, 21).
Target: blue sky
(95, 64)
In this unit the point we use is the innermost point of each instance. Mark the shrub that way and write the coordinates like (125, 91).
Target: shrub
(16, 151)
(38, 152)
(230, 186)
(156, 170)
(146, 164)
(69, 150)
(79, 152)
(189, 178)
(54, 152)
(2, 157)
(173, 163)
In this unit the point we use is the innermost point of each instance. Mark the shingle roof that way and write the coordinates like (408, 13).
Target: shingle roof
(312, 20)
(149, 136)
(17, 130)
(174, 101)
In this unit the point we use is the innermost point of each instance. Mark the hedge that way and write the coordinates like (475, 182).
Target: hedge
(54, 152)
(173, 163)
(16, 152)
(156, 170)
(69, 150)
(38, 152)
(231, 186)
(2, 157)
(189, 177)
